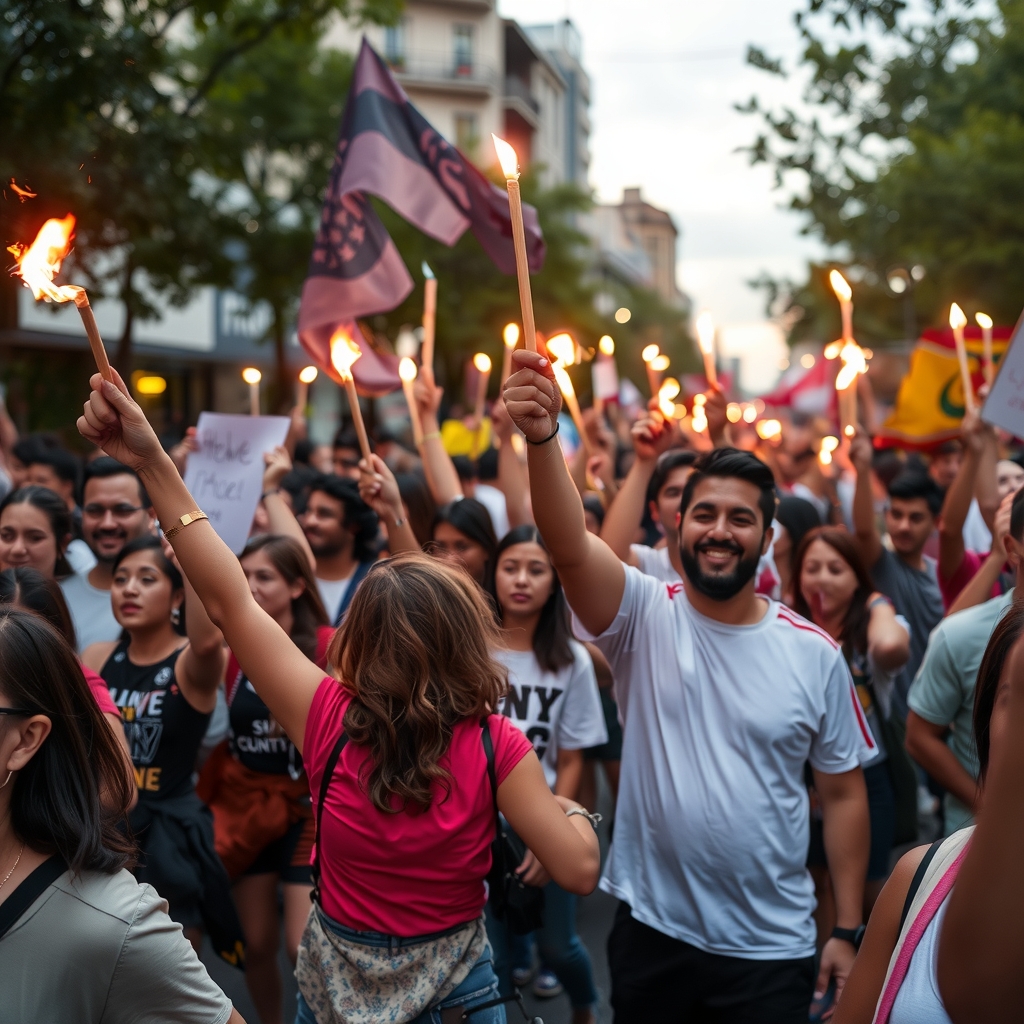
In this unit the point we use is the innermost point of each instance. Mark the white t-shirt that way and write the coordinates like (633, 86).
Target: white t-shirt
(331, 593)
(91, 612)
(712, 824)
(494, 501)
(655, 562)
(554, 710)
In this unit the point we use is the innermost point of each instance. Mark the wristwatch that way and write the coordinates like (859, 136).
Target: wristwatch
(852, 935)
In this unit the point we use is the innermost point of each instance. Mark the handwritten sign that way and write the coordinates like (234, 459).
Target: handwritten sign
(1004, 406)
(225, 475)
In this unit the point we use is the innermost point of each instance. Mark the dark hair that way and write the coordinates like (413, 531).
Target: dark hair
(304, 449)
(357, 515)
(470, 517)
(731, 462)
(165, 565)
(419, 503)
(290, 560)
(1017, 516)
(551, 638)
(487, 465)
(56, 804)
(28, 588)
(465, 467)
(53, 506)
(799, 517)
(986, 688)
(415, 652)
(909, 485)
(592, 504)
(297, 482)
(854, 636)
(67, 466)
(105, 466)
(28, 448)
(346, 437)
(663, 469)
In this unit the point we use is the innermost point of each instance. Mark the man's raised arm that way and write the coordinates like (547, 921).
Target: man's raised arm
(592, 577)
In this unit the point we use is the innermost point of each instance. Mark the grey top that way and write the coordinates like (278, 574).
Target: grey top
(943, 692)
(917, 597)
(100, 949)
(91, 613)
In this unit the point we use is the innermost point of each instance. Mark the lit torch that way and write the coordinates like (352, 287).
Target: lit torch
(344, 352)
(307, 375)
(706, 340)
(844, 293)
(38, 264)
(510, 168)
(649, 355)
(985, 323)
(562, 349)
(667, 394)
(958, 322)
(510, 336)
(828, 445)
(252, 377)
(407, 372)
(429, 315)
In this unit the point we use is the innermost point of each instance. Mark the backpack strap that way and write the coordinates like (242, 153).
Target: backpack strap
(362, 568)
(325, 781)
(916, 881)
(485, 735)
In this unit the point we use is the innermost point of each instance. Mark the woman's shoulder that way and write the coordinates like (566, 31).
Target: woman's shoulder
(95, 655)
(325, 720)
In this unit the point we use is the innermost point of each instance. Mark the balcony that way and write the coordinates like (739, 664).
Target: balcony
(443, 73)
(519, 98)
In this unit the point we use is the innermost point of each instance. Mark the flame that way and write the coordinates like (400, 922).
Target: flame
(767, 429)
(828, 445)
(832, 349)
(407, 370)
(854, 364)
(482, 361)
(660, 363)
(308, 374)
(607, 345)
(669, 388)
(700, 399)
(984, 321)
(562, 348)
(344, 352)
(700, 419)
(749, 413)
(564, 383)
(507, 158)
(849, 430)
(649, 353)
(510, 335)
(251, 375)
(22, 193)
(39, 262)
(734, 412)
(840, 286)
(957, 320)
(706, 332)
(427, 272)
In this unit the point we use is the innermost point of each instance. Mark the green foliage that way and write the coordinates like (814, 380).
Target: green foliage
(911, 156)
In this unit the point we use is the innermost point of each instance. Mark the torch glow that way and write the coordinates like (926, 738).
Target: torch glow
(252, 377)
(510, 168)
(429, 315)
(407, 372)
(768, 429)
(38, 264)
(668, 391)
(344, 352)
(563, 348)
(828, 445)
(958, 322)
(844, 293)
(706, 341)
(984, 321)
(606, 345)
(569, 394)
(510, 337)
(307, 375)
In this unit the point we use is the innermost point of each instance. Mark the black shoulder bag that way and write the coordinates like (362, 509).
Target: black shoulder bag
(325, 781)
(519, 905)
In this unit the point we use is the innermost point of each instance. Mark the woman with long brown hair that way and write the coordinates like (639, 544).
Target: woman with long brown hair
(255, 783)
(396, 747)
(833, 589)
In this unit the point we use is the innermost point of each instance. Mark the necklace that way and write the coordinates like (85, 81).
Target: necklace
(16, 863)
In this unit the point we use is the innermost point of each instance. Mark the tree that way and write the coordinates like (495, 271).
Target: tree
(103, 112)
(910, 157)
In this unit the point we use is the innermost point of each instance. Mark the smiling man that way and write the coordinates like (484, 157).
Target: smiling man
(115, 510)
(724, 697)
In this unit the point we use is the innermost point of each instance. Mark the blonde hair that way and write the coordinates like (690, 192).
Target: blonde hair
(415, 651)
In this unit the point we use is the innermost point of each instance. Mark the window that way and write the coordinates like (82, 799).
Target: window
(394, 44)
(466, 136)
(463, 50)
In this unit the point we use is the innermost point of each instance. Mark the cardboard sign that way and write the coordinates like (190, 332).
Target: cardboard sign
(225, 475)
(1004, 406)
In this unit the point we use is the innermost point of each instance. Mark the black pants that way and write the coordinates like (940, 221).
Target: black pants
(660, 980)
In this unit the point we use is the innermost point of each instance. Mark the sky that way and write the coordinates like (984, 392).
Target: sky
(664, 79)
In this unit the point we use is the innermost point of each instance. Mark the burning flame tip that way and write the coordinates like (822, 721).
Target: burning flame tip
(510, 335)
(507, 158)
(956, 317)
(308, 374)
(38, 263)
(482, 361)
(840, 286)
(407, 369)
(344, 352)
(984, 321)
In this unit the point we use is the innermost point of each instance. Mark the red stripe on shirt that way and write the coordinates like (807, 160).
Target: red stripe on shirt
(861, 720)
(810, 627)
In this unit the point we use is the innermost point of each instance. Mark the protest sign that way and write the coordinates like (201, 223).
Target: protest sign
(225, 475)
(1004, 406)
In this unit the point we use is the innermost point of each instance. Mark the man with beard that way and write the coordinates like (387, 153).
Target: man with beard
(341, 529)
(115, 510)
(724, 697)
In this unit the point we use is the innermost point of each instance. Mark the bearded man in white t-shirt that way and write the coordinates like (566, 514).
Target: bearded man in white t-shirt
(724, 697)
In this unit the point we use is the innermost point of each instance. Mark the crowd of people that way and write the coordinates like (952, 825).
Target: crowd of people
(379, 735)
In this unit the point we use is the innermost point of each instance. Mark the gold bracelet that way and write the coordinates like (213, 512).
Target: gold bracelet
(188, 517)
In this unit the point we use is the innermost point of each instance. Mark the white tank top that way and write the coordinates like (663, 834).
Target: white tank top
(918, 1000)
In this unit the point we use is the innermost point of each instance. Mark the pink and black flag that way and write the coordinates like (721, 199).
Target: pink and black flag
(388, 149)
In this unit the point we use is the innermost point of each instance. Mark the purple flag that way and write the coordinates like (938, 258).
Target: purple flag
(388, 148)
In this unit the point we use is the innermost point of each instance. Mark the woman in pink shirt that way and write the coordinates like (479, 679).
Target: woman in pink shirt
(407, 814)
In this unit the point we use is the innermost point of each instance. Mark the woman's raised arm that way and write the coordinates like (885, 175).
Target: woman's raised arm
(280, 673)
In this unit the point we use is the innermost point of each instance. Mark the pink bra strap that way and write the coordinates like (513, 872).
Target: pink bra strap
(917, 930)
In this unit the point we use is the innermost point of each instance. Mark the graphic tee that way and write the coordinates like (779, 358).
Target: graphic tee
(713, 819)
(554, 710)
(163, 730)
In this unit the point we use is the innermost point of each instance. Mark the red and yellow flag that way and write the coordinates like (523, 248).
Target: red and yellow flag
(930, 403)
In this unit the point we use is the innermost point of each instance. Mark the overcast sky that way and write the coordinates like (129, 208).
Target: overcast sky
(664, 79)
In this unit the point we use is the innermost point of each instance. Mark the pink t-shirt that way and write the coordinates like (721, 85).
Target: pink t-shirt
(410, 873)
(100, 692)
(966, 571)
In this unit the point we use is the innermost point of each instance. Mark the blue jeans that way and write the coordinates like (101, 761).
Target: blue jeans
(559, 946)
(479, 986)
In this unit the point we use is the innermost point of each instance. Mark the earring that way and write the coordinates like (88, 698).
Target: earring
(8, 779)
(175, 616)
